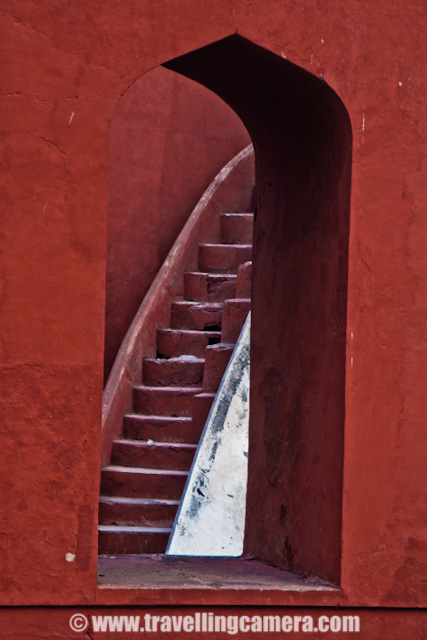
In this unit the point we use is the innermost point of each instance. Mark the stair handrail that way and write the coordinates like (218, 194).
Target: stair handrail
(127, 367)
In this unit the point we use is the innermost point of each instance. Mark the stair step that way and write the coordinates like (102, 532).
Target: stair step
(134, 482)
(113, 540)
(209, 287)
(237, 227)
(217, 359)
(201, 316)
(223, 258)
(235, 314)
(185, 370)
(164, 401)
(157, 455)
(176, 342)
(244, 281)
(116, 510)
(159, 428)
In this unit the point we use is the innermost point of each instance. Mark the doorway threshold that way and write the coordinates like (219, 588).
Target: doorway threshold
(181, 580)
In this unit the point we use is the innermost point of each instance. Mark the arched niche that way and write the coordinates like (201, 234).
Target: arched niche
(302, 137)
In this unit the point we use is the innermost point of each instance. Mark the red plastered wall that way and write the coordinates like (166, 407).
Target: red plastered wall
(66, 68)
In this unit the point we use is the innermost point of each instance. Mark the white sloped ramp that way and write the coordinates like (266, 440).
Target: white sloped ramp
(211, 517)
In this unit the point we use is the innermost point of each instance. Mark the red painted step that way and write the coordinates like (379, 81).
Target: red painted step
(185, 370)
(223, 258)
(166, 401)
(177, 342)
(116, 510)
(201, 316)
(142, 483)
(217, 359)
(237, 228)
(159, 428)
(156, 455)
(114, 540)
(244, 281)
(235, 314)
(209, 287)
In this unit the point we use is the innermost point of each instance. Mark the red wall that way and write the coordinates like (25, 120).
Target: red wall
(67, 66)
(169, 138)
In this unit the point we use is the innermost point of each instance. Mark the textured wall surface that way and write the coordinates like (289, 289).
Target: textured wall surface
(66, 67)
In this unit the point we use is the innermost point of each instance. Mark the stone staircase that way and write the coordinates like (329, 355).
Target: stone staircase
(142, 486)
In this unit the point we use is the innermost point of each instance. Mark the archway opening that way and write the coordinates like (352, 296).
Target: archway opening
(302, 137)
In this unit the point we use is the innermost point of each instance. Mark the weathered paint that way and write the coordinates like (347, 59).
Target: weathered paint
(211, 517)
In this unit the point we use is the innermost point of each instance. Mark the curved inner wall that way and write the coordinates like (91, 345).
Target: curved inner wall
(302, 137)
(169, 138)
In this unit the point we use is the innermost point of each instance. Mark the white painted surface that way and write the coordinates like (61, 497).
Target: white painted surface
(211, 517)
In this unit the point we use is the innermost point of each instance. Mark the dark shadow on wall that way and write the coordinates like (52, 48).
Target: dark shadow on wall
(302, 137)
(169, 138)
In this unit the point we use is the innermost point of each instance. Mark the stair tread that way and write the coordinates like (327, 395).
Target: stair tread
(182, 359)
(137, 501)
(157, 418)
(196, 303)
(236, 213)
(181, 389)
(230, 245)
(145, 471)
(117, 528)
(219, 276)
(190, 332)
(165, 445)
(221, 345)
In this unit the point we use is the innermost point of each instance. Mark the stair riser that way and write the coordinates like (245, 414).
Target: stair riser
(237, 229)
(128, 543)
(202, 404)
(137, 515)
(195, 317)
(136, 485)
(163, 373)
(217, 359)
(176, 343)
(162, 403)
(235, 313)
(151, 456)
(205, 288)
(137, 429)
(223, 258)
(244, 281)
